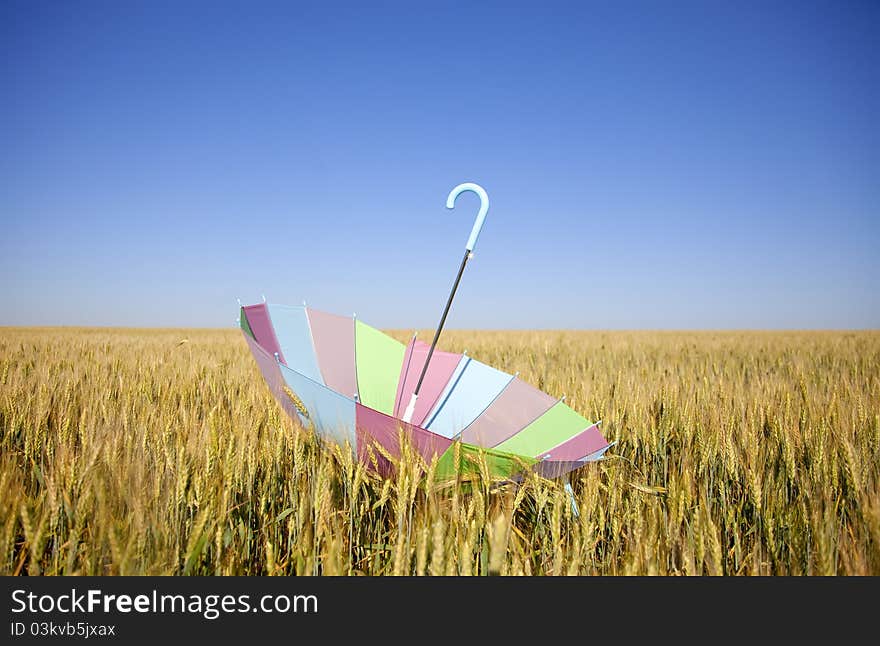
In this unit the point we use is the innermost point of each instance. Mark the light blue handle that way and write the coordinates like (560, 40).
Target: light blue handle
(481, 215)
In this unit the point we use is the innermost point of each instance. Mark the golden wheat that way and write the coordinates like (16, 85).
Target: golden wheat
(133, 452)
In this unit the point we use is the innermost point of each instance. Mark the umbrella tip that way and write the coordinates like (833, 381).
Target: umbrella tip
(304, 303)
(264, 297)
(239, 302)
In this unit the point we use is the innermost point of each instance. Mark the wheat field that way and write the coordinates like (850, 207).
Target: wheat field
(162, 452)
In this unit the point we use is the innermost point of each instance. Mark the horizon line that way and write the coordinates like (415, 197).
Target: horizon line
(472, 329)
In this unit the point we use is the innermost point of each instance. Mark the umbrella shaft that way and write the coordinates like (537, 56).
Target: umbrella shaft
(467, 255)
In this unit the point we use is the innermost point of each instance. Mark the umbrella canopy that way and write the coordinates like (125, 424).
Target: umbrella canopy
(351, 383)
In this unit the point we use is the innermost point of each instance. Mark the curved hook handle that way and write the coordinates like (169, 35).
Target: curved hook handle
(481, 215)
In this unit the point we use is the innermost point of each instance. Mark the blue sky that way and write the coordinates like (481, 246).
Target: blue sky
(649, 165)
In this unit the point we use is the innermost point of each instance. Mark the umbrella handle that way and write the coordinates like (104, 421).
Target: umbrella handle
(481, 214)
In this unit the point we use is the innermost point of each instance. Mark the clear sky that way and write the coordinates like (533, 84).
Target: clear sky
(649, 165)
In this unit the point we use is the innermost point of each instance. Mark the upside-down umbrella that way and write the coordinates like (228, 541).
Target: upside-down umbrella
(357, 386)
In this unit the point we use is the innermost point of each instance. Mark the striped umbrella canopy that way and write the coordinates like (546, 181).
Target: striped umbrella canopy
(351, 383)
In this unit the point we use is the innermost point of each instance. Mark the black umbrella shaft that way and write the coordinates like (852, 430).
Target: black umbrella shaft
(467, 255)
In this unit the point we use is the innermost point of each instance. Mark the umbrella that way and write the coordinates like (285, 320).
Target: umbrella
(357, 386)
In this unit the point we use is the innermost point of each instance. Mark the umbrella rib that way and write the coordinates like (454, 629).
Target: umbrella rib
(596, 455)
(314, 347)
(549, 452)
(357, 384)
(448, 390)
(312, 340)
(530, 422)
(402, 385)
(488, 406)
